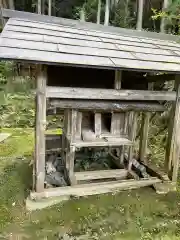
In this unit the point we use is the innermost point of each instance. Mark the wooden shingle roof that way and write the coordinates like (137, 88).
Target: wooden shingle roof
(44, 42)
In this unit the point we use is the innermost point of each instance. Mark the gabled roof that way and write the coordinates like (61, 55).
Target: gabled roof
(49, 43)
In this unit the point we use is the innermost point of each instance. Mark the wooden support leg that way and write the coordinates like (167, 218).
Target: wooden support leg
(173, 142)
(40, 128)
(97, 126)
(144, 132)
(70, 156)
(144, 136)
(133, 126)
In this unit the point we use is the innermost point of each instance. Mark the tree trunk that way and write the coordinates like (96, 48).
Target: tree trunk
(163, 20)
(106, 19)
(82, 15)
(99, 12)
(49, 7)
(11, 4)
(140, 15)
(39, 7)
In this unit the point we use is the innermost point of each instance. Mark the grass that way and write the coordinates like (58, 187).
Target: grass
(139, 214)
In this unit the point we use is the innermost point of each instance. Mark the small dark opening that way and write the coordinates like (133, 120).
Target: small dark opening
(106, 122)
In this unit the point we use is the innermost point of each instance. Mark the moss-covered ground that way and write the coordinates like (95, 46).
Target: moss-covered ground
(139, 214)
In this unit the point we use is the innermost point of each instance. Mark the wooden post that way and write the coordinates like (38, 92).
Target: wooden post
(140, 15)
(99, 12)
(144, 132)
(173, 141)
(40, 128)
(133, 129)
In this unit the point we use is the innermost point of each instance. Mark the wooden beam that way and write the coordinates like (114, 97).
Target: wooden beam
(173, 141)
(109, 94)
(90, 175)
(102, 105)
(140, 15)
(106, 142)
(40, 128)
(94, 188)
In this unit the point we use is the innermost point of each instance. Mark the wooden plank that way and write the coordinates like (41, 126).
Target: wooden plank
(94, 188)
(74, 115)
(53, 57)
(146, 65)
(105, 142)
(106, 106)
(70, 163)
(116, 123)
(109, 94)
(90, 175)
(144, 136)
(173, 142)
(97, 127)
(7, 13)
(40, 128)
(79, 125)
(132, 138)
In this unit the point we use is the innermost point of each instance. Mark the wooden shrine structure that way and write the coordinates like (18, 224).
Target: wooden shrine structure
(101, 77)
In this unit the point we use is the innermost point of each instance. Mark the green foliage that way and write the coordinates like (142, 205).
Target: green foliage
(18, 111)
(122, 15)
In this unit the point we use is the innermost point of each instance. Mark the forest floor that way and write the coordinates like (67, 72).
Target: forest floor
(138, 214)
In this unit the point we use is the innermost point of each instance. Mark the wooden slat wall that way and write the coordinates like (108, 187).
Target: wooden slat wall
(109, 94)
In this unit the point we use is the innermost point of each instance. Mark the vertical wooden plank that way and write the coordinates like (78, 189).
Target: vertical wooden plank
(74, 115)
(82, 15)
(144, 136)
(116, 117)
(166, 3)
(97, 123)
(144, 131)
(173, 141)
(40, 128)
(79, 125)
(133, 126)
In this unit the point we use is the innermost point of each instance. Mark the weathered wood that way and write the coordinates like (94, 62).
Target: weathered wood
(115, 123)
(97, 126)
(132, 137)
(109, 94)
(94, 188)
(102, 142)
(106, 106)
(144, 136)
(74, 116)
(173, 142)
(40, 128)
(163, 19)
(79, 125)
(90, 175)
(70, 160)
